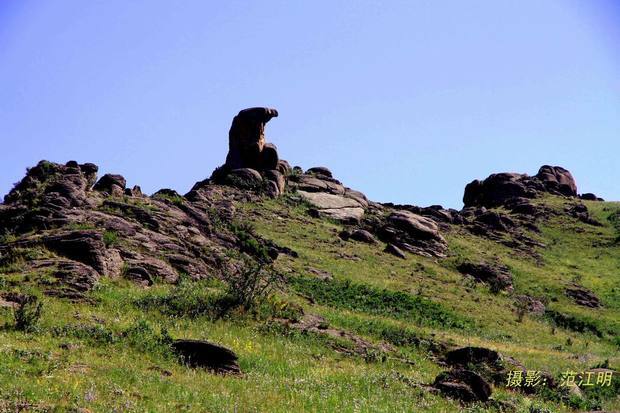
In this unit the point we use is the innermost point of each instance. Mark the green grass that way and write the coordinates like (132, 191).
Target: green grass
(111, 353)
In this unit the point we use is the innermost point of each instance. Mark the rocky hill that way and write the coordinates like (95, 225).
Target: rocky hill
(271, 288)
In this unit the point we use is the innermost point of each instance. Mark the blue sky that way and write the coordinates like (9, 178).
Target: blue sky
(405, 100)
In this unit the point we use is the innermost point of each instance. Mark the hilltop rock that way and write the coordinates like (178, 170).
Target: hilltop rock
(557, 179)
(246, 139)
(499, 188)
(111, 184)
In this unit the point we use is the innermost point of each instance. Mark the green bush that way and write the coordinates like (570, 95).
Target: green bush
(110, 238)
(28, 313)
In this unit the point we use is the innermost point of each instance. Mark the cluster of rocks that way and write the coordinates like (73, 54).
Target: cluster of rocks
(78, 229)
(498, 188)
(327, 196)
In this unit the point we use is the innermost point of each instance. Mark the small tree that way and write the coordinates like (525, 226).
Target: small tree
(28, 313)
(249, 286)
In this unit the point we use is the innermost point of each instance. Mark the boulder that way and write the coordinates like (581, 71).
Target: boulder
(85, 246)
(463, 385)
(589, 196)
(497, 276)
(582, 296)
(200, 353)
(415, 225)
(112, 184)
(244, 178)
(246, 139)
(334, 206)
(557, 179)
(362, 235)
(498, 189)
(394, 250)
(273, 175)
(269, 157)
(530, 304)
(284, 167)
(320, 171)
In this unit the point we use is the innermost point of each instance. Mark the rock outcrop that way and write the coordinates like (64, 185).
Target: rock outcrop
(64, 225)
(499, 188)
(252, 162)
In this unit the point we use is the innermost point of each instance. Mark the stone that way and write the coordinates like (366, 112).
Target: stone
(334, 206)
(530, 304)
(589, 196)
(357, 195)
(273, 175)
(497, 276)
(500, 188)
(394, 250)
(463, 385)
(244, 178)
(269, 157)
(415, 225)
(556, 178)
(140, 275)
(284, 167)
(201, 353)
(320, 171)
(85, 246)
(582, 296)
(362, 235)
(72, 278)
(489, 364)
(246, 139)
(111, 184)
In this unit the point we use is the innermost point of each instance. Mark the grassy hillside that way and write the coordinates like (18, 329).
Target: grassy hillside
(110, 352)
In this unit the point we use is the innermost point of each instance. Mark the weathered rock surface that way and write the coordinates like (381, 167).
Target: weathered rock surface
(333, 206)
(411, 232)
(246, 138)
(78, 234)
(583, 296)
(200, 353)
(499, 188)
(496, 276)
(463, 385)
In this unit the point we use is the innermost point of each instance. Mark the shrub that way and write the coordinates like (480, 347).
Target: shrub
(249, 242)
(110, 238)
(249, 286)
(28, 313)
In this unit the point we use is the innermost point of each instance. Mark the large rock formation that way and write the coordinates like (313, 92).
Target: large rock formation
(252, 163)
(246, 140)
(500, 188)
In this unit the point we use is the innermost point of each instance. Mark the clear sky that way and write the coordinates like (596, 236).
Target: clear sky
(406, 101)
